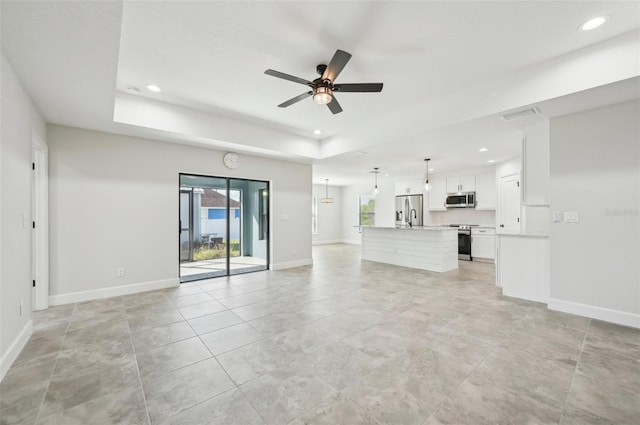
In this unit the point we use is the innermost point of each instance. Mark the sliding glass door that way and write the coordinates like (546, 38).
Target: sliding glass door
(223, 226)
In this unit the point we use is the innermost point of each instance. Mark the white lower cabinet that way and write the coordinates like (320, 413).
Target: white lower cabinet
(483, 243)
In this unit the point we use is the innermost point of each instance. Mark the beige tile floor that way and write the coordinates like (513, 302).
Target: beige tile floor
(342, 342)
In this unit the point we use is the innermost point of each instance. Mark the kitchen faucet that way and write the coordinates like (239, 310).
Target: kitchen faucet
(415, 215)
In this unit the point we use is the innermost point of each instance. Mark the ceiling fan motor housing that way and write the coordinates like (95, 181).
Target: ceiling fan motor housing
(321, 68)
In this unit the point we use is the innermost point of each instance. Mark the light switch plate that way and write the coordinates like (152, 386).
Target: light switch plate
(285, 217)
(571, 217)
(557, 217)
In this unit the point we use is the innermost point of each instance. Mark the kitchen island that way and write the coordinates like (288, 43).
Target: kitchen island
(433, 248)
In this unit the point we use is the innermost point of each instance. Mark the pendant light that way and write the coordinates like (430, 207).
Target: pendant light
(326, 199)
(427, 186)
(375, 173)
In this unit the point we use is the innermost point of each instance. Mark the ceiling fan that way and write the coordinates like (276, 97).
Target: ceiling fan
(323, 88)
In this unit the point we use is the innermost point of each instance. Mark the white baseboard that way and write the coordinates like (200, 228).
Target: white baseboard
(327, 242)
(594, 312)
(114, 291)
(352, 241)
(15, 348)
(292, 264)
(527, 295)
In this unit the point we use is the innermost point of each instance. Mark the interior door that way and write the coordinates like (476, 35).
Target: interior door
(509, 208)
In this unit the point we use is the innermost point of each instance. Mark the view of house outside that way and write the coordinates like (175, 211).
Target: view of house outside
(367, 206)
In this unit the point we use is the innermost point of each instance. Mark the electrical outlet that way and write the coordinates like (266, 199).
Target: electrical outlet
(120, 272)
(571, 217)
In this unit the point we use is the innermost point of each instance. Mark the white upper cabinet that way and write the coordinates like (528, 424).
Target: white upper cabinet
(410, 187)
(437, 194)
(461, 184)
(486, 193)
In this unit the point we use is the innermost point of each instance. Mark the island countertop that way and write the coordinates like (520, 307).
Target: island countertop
(432, 228)
(433, 248)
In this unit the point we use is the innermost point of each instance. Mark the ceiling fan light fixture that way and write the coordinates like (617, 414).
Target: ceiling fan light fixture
(322, 95)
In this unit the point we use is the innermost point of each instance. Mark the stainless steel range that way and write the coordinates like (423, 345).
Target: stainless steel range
(464, 240)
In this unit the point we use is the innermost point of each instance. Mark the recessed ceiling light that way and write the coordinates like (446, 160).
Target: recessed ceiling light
(491, 160)
(317, 132)
(594, 23)
(432, 169)
(483, 149)
(386, 175)
(153, 88)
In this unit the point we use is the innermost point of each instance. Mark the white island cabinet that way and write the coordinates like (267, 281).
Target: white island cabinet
(433, 248)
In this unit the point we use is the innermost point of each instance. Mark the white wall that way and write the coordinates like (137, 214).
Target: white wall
(509, 167)
(595, 171)
(329, 215)
(18, 118)
(114, 203)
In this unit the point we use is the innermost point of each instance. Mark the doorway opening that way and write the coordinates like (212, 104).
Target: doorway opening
(224, 226)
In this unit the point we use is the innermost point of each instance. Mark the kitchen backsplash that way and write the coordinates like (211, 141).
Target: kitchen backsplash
(460, 216)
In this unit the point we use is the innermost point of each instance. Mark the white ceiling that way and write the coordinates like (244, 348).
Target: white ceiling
(449, 70)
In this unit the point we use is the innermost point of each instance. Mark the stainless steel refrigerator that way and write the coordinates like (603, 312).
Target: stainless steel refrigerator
(409, 210)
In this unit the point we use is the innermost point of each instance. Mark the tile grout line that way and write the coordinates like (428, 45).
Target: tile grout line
(135, 358)
(44, 396)
(575, 370)
(235, 385)
(138, 367)
(496, 345)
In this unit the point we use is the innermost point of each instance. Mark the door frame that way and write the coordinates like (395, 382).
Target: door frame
(40, 218)
(268, 247)
(190, 228)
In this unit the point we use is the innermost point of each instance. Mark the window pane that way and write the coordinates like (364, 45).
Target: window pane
(367, 206)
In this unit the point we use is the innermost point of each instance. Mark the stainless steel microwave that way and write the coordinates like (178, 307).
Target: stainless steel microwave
(461, 200)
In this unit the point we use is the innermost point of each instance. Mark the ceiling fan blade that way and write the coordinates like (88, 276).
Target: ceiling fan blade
(334, 106)
(358, 87)
(338, 62)
(295, 99)
(284, 76)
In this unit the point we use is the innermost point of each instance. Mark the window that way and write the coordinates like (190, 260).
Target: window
(314, 215)
(366, 210)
